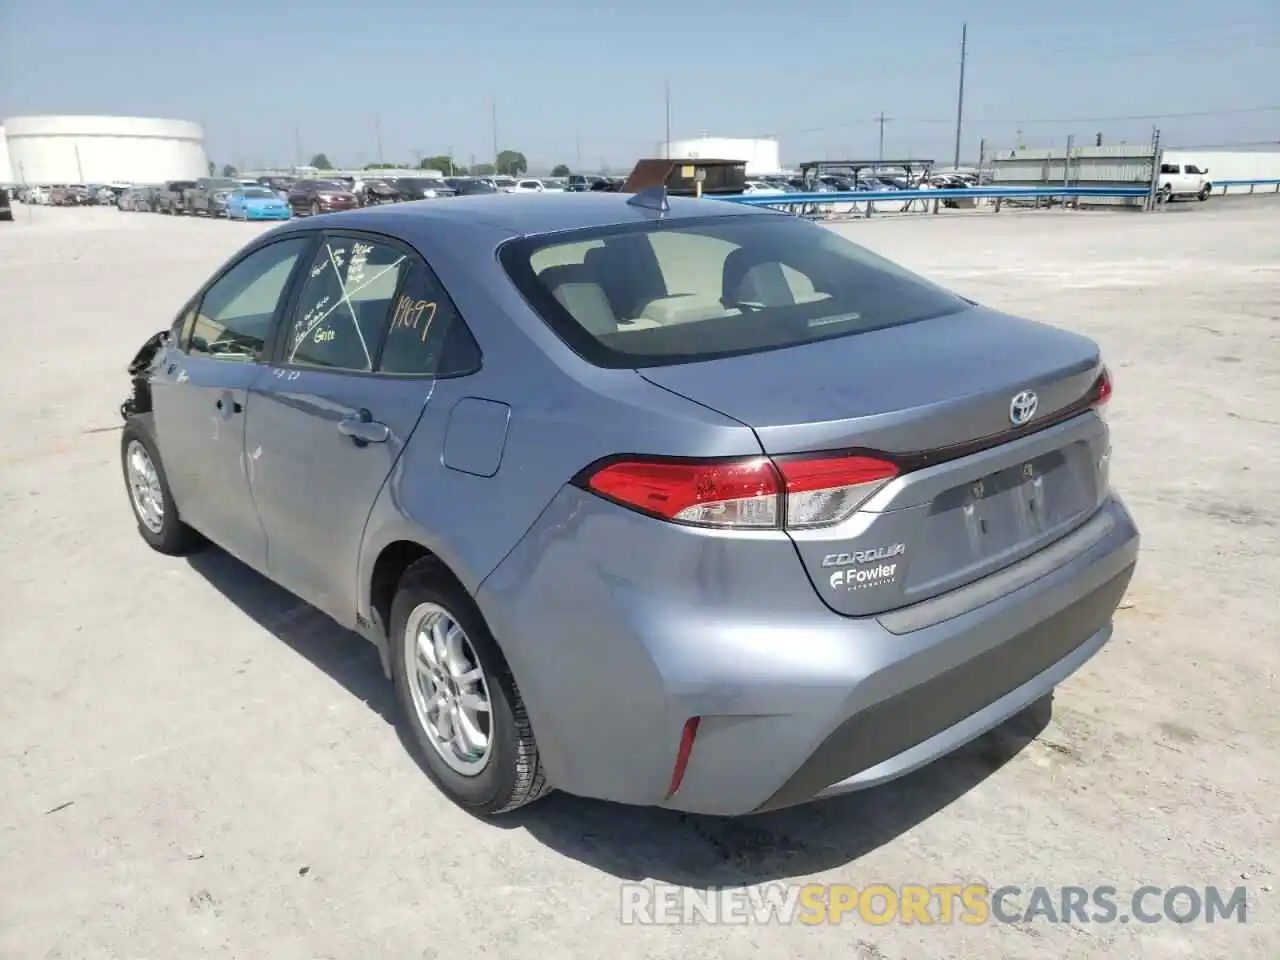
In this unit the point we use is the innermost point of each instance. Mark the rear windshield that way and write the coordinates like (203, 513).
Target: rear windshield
(678, 291)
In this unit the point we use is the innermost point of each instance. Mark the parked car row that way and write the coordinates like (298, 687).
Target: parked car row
(279, 198)
(71, 194)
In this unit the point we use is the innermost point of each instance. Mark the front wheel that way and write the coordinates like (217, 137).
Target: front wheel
(1166, 194)
(149, 495)
(315, 208)
(1203, 195)
(459, 698)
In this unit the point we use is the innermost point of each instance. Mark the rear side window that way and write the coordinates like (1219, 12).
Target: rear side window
(345, 304)
(427, 337)
(678, 291)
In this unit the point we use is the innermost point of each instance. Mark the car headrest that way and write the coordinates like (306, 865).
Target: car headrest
(575, 288)
(749, 278)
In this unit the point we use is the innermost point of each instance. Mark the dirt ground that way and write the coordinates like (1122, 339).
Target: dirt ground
(193, 764)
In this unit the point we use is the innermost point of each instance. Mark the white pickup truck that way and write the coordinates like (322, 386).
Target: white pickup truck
(1182, 180)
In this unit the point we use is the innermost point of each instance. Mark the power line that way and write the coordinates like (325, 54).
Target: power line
(1021, 120)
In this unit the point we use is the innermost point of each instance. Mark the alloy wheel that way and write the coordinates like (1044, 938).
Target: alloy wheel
(144, 487)
(449, 689)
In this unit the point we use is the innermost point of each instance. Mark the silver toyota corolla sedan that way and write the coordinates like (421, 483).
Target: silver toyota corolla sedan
(669, 502)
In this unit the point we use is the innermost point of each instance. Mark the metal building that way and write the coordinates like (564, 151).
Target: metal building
(1114, 165)
(66, 150)
(760, 156)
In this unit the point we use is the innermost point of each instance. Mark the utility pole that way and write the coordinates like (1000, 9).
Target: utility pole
(882, 119)
(666, 153)
(451, 168)
(964, 44)
(377, 133)
(577, 139)
(297, 145)
(494, 120)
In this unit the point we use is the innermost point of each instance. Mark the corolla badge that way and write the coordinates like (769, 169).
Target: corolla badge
(1023, 407)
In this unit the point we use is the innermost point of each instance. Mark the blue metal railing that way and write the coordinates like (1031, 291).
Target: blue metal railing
(810, 203)
(970, 193)
(1224, 184)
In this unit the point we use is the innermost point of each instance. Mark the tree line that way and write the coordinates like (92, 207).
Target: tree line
(510, 163)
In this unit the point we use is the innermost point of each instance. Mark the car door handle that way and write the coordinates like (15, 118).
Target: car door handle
(364, 429)
(235, 405)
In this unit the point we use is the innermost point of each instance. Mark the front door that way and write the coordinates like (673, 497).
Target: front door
(328, 428)
(200, 397)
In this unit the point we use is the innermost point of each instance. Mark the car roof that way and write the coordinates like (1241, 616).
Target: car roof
(524, 214)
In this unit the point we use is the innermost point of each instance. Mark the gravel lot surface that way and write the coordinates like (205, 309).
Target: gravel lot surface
(193, 764)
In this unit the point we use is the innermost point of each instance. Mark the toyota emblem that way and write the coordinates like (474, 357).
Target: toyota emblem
(1023, 407)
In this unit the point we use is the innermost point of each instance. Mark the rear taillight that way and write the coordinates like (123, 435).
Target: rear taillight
(1100, 393)
(754, 493)
(826, 490)
(720, 493)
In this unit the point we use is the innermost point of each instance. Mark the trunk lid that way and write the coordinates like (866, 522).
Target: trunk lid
(976, 492)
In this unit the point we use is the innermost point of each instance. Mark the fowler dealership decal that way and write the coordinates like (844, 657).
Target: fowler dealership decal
(858, 579)
(868, 576)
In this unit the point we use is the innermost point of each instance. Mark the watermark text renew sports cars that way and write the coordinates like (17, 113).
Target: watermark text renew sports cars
(968, 904)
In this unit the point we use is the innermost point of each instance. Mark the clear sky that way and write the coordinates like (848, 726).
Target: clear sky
(582, 81)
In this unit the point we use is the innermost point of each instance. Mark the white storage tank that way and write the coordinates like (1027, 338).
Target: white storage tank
(65, 150)
(6, 168)
(760, 155)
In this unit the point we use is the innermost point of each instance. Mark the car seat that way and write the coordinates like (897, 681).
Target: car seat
(576, 289)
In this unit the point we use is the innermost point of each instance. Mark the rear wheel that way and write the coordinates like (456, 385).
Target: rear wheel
(153, 507)
(315, 208)
(459, 698)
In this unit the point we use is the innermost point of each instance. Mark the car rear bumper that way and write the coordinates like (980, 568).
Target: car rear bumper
(619, 629)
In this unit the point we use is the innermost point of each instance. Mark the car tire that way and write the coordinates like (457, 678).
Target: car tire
(1166, 194)
(315, 208)
(140, 464)
(1203, 195)
(509, 772)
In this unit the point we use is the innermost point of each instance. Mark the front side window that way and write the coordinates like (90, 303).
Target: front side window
(677, 291)
(345, 304)
(236, 314)
(1192, 168)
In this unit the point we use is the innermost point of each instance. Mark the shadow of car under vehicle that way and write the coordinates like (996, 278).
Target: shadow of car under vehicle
(634, 843)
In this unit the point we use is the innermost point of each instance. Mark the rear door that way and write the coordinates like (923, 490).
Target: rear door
(328, 427)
